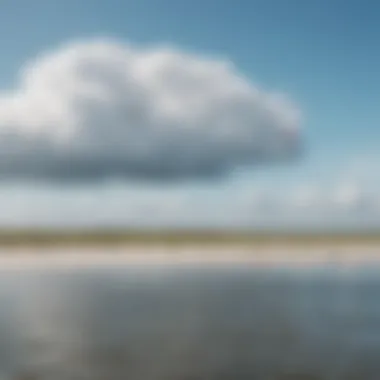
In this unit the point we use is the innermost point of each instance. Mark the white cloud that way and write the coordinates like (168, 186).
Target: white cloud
(347, 196)
(321, 198)
(308, 197)
(255, 205)
(102, 108)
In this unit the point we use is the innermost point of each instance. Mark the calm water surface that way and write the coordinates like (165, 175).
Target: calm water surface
(183, 322)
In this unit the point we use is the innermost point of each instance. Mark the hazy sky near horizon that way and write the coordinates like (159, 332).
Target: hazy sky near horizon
(261, 113)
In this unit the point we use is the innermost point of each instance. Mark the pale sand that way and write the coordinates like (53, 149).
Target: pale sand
(269, 256)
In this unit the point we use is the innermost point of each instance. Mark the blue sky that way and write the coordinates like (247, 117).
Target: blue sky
(322, 54)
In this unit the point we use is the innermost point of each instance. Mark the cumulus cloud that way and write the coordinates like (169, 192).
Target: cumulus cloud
(306, 197)
(319, 198)
(100, 108)
(169, 206)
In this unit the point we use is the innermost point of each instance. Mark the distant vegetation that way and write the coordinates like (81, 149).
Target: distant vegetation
(112, 237)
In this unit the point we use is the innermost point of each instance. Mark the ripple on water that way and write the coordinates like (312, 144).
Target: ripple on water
(193, 322)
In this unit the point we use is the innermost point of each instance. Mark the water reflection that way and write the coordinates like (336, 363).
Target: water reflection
(178, 322)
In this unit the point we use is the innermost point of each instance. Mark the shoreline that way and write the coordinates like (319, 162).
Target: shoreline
(270, 256)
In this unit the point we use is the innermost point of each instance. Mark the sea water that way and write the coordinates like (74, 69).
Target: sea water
(184, 321)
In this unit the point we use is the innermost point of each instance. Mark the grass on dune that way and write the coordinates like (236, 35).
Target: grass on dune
(106, 237)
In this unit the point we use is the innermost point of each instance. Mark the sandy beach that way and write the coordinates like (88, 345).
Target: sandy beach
(268, 256)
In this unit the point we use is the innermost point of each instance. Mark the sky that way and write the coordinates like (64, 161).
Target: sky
(162, 113)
